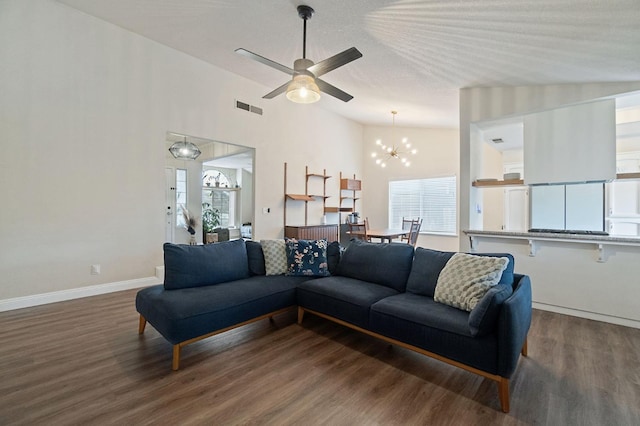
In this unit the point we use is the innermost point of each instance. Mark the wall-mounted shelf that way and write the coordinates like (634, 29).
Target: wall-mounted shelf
(300, 197)
(520, 182)
(628, 176)
(306, 231)
(317, 175)
(510, 182)
(534, 238)
(338, 210)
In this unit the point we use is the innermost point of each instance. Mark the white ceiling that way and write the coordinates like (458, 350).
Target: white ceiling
(417, 54)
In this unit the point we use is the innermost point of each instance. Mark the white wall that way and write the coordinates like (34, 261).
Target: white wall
(437, 156)
(566, 279)
(84, 112)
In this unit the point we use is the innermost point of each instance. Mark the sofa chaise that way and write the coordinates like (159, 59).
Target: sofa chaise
(390, 291)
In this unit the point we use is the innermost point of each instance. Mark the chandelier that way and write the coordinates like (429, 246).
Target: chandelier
(393, 152)
(184, 150)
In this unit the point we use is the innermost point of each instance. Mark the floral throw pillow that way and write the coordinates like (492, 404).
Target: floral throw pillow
(307, 258)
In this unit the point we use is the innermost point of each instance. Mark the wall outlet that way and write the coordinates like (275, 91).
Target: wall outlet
(266, 210)
(95, 269)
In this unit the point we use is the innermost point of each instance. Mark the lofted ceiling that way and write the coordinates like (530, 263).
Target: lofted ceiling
(416, 54)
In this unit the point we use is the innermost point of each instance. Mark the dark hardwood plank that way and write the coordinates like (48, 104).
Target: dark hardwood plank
(83, 362)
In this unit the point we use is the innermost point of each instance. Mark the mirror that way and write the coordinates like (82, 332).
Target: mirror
(217, 189)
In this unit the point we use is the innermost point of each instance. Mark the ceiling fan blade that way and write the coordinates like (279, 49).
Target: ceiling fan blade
(333, 90)
(265, 61)
(335, 61)
(277, 91)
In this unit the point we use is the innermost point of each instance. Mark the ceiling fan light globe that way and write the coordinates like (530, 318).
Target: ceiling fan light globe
(303, 90)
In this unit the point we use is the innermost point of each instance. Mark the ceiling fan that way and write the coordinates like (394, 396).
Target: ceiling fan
(305, 86)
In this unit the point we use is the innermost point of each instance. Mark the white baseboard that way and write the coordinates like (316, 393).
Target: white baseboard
(588, 315)
(75, 293)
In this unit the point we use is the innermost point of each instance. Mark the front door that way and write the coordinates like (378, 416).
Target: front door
(170, 204)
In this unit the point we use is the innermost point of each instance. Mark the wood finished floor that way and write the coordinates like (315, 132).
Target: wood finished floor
(82, 362)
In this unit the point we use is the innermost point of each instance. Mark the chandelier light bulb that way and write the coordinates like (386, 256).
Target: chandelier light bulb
(383, 165)
(374, 155)
(407, 164)
(378, 142)
(414, 151)
(404, 140)
(378, 161)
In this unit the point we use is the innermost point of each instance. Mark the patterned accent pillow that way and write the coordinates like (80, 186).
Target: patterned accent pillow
(466, 278)
(307, 258)
(275, 257)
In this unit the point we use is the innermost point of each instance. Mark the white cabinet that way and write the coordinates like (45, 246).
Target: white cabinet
(623, 207)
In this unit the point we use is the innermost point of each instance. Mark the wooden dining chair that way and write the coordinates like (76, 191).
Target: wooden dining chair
(406, 226)
(359, 231)
(414, 232)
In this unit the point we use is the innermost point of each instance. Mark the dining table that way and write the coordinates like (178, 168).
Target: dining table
(387, 234)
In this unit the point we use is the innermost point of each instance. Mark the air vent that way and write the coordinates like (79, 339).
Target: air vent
(251, 108)
(498, 140)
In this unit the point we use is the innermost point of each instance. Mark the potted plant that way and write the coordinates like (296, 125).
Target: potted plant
(190, 223)
(210, 221)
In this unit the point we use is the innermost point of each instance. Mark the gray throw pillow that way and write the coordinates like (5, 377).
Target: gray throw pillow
(466, 278)
(275, 256)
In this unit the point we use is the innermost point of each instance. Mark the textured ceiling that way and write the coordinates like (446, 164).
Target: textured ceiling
(416, 54)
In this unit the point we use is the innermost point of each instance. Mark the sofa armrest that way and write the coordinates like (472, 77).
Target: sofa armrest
(513, 325)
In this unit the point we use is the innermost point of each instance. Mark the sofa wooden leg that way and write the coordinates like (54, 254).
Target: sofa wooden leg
(141, 324)
(503, 392)
(524, 348)
(300, 314)
(271, 320)
(175, 365)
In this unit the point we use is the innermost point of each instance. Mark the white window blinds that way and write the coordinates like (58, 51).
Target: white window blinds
(433, 200)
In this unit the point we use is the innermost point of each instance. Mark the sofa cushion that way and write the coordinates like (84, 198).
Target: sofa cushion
(483, 317)
(441, 329)
(384, 264)
(426, 267)
(186, 313)
(334, 253)
(466, 278)
(428, 263)
(344, 298)
(255, 257)
(507, 274)
(275, 257)
(307, 257)
(424, 310)
(199, 265)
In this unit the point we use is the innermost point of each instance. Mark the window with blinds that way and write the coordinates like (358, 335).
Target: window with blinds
(433, 200)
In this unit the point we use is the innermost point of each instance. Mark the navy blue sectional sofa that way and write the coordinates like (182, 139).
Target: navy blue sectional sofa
(384, 290)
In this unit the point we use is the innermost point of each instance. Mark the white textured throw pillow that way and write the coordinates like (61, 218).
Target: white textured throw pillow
(275, 256)
(466, 278)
